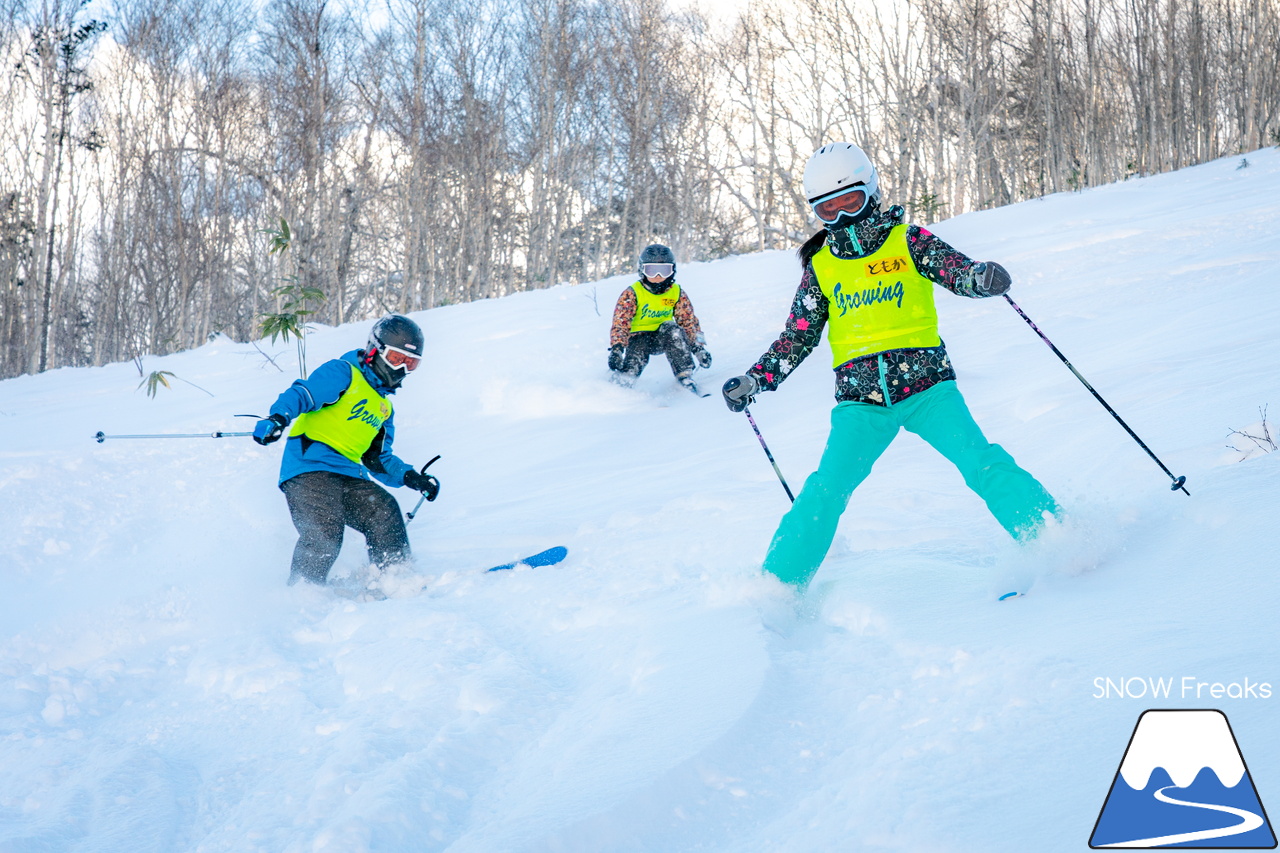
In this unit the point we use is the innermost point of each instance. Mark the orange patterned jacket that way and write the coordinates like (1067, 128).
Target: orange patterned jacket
(625, 311)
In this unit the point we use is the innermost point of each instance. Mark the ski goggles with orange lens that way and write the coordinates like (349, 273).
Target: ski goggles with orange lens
(663, 270)
(399, 358)
(850, 200)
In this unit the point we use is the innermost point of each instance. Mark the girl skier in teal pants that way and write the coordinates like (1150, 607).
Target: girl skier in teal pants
(868, 279)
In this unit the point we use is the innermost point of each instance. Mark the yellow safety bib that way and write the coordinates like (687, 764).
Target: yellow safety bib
(351, 423)
(877, 303)
(653, 309)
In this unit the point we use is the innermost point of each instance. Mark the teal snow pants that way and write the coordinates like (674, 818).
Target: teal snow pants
(860, 432)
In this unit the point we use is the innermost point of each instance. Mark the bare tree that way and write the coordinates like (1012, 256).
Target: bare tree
(59, 42)
(456, 151)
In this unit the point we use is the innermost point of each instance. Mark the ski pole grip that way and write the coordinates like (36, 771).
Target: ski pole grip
(411, 513)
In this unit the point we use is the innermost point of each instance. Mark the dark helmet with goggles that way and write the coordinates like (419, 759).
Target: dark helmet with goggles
(394, 349)
(657, 262)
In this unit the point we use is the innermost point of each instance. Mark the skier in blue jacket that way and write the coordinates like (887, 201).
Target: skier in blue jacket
(343, 430)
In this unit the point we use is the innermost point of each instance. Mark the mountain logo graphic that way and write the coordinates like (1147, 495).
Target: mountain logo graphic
(1183, 783)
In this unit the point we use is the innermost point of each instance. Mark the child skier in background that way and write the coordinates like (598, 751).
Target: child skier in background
(868, 278)
(654, 315)
(343, 431)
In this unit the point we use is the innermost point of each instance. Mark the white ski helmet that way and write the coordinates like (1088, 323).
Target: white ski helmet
(838, 167)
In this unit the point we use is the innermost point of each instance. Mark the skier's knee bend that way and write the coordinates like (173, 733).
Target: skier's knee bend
(319, 537)
(313, 557)
(676, 347)
(986, 465)
(635, 358)
(827, 489)
(673, 337)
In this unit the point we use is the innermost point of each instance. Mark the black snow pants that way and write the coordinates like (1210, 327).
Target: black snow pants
(668, 339)
(323, 503)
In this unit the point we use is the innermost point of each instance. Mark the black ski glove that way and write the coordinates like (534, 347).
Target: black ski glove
(269, 429)
(739, 392)
(703, 357)
(615, 357)
(990, 279)
(424, 483)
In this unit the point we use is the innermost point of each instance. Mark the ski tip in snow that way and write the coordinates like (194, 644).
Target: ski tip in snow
(549, 557)
(1007, 595)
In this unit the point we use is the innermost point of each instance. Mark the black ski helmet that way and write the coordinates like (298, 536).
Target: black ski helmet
(399, 333)
(657, 253)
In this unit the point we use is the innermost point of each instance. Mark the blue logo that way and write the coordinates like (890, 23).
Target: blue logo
(359, 412)
(1182, 783)
(665, 313)
(845, 299)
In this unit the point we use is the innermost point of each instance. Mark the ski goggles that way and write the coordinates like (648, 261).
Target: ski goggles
(660, 270)
(400, 359)
(850, 200)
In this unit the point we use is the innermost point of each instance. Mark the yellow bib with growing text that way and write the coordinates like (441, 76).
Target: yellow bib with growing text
(877, 303)
(350, 424)
(653, 309)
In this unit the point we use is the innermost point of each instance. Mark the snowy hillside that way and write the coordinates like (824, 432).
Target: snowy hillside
(161, 689)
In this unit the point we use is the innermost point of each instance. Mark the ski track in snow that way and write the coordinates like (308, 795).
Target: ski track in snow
(161, 689)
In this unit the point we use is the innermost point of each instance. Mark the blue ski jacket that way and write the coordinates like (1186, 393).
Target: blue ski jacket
(322, 388)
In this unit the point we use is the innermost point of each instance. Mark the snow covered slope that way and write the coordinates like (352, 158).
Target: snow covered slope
(161, 689)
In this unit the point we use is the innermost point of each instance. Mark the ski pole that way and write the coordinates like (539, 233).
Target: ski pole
(776, 470)
(409, 515)
(1178, 482)
(101, 436)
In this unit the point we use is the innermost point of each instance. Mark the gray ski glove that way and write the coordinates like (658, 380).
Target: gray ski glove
(615, 357)
(739, 392)
(990, 279)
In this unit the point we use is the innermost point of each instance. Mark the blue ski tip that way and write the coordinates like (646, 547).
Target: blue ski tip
(1014, 594)
(549, 557)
